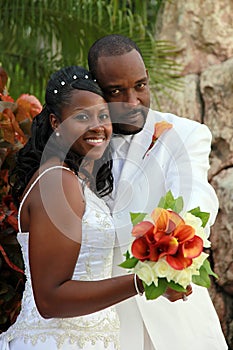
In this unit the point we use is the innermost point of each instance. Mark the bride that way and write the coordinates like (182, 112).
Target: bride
(65, 229)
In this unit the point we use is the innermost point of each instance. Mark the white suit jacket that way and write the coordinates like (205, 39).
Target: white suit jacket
(178, 161)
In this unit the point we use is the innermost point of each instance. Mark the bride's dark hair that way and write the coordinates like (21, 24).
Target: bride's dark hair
(33, 155)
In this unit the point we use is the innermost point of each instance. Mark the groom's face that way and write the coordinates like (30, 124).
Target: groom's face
(124, 80)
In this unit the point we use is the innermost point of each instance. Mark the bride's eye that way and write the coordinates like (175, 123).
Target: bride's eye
(82, 117)
(104, 116)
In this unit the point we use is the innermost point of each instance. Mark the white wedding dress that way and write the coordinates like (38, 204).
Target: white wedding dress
(97, 331)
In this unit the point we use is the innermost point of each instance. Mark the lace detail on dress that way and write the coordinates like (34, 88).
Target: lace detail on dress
(79, 331)
(94, 263)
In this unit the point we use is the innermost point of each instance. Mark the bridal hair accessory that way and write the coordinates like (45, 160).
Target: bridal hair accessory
(168, 249)
(74, 77)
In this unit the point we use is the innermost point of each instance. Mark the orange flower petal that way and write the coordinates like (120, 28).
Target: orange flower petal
(140, 249)
(184, 233)
(178, 261)
(166, 245)
(192, 248)
(160, 127)
(175, 218)
(166, 220)
(142, 228)
(160, 218)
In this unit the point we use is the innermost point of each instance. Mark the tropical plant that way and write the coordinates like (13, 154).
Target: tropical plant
(15, 121)
(11, 265)
(39, 36)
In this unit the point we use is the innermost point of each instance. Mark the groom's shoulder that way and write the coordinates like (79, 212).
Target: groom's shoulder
(179, 123)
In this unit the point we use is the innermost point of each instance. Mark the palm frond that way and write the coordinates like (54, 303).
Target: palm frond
(39, 36)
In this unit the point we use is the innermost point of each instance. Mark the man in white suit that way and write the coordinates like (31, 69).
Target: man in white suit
(178, 161)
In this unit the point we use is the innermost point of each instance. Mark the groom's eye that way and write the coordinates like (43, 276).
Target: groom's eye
(115, 92)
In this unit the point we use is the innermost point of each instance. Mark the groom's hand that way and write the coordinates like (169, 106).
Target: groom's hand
(172, 295)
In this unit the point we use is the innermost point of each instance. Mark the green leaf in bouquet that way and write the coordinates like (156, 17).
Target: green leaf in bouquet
(129, 263)
(169, 202)
(127, 255)
(152, 292)
(137, 217)
(204, 216)
(208, 268)
(177, 287)
(203, 279)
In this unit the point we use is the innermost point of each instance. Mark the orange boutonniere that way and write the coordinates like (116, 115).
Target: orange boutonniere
(159, 128)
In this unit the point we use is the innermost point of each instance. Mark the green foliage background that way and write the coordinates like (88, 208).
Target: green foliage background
(39, 36)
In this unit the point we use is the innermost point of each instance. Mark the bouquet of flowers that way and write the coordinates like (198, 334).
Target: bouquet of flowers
(168, 249)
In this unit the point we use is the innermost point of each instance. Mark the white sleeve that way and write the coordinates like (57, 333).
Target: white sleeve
(187, 174)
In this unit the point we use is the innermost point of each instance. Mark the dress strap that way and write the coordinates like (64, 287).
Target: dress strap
(33, 184)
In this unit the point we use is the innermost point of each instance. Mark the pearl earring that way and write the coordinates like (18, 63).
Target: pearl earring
(57, 133)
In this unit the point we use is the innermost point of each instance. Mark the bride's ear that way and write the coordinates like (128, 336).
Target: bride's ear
(54, 121)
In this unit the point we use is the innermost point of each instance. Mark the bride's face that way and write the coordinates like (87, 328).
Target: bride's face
(86, 125)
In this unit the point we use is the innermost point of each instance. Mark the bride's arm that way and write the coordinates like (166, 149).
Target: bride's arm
(55, 216)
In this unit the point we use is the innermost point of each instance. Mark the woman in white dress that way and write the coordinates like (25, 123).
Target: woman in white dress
(65, 229)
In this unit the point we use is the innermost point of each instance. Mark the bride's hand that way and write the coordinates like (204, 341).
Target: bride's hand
(172, 295)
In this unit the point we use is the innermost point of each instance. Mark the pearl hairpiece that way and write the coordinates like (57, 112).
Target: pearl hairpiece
(74, 77)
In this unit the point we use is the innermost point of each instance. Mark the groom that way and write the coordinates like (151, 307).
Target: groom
(143, 173)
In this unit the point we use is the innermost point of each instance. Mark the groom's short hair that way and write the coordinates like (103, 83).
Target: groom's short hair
(109, 45)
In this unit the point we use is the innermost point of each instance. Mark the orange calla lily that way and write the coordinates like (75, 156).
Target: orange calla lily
(142, 228)
(140, 249)
(159, 128)
(183, 233)
(165, 221)
(192, 248)
(178, 261)
(165, 246)
(160, 217)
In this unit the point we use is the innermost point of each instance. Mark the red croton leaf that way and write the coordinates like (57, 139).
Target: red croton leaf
(7, 260)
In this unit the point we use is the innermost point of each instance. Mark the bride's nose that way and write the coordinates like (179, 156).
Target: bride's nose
(97, 127)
